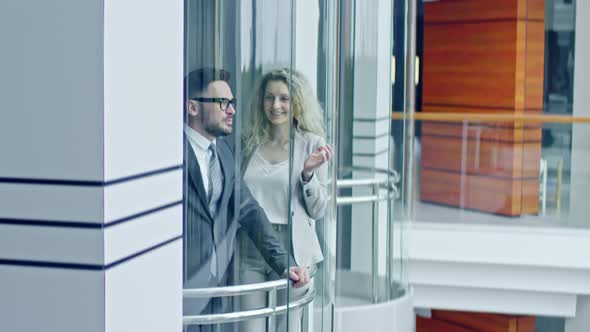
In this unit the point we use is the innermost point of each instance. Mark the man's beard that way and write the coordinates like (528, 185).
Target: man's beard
(217, 131)
(214, 129)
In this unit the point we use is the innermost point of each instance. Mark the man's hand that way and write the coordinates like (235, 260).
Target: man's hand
(299, 276)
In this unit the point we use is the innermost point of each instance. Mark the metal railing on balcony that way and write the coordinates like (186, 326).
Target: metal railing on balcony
(272, 287)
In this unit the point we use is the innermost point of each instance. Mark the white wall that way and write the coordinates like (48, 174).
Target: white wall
(51, 101)
(91, 165)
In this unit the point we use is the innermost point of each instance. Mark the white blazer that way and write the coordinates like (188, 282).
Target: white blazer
(309, 200)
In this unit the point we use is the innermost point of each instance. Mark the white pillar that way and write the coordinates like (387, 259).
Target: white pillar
(580, 173)
(581, 322)
(371, 134)
(91, 165)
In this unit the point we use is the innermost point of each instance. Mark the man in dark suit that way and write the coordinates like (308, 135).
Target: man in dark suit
(216, 202)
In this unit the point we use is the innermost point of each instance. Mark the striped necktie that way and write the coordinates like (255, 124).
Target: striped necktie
(215, 187)
(215, 180)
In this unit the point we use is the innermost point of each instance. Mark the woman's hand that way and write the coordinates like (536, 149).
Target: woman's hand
(320, 156)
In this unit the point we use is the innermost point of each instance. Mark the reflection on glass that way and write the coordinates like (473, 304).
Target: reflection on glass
(487, 153)
(211, 195)
(251, 204)
(266, 149)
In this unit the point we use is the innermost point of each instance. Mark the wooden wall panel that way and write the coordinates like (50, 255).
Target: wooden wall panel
(481, 322)
(486, 322)
(487, 158)
(502, 196)
(532, 10)
(483, 57)
(474, 66)
(469, 10)
(431, 325)
(495, 131)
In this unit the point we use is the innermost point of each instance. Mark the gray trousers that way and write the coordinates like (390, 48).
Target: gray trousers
(253, 269)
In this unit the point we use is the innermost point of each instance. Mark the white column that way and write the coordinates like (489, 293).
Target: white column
(372, 107)
(91, 165)
(581, 322)
(580, 173)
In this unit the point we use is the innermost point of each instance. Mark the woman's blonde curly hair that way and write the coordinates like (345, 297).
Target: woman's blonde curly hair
(306, 109)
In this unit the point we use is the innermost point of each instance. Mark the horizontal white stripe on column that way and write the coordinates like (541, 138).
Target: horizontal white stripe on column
(374, 146)
(129, 198)
(87, 248)
(380, 160)
(126, 239)
(371, 128)
(88, 203)
(61, 203)
(51, 244)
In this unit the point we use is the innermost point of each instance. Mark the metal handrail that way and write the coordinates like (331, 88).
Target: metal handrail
(268, 286)
(349, 183)
(346, 200)
(274, 285)
(234, 290)
(375, 198)
(389, 171)
(492, 117)
(248, 314)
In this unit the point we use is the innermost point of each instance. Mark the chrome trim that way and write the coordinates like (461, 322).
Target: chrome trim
(410, 100)
(347, 200)
(349, 183)
(395, 177)
(375, 246)
(247, 314)
(234, 290)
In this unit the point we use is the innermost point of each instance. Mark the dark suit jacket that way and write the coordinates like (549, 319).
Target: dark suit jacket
(237, 208)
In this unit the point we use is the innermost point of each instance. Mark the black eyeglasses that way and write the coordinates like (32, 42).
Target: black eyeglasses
(223, 102)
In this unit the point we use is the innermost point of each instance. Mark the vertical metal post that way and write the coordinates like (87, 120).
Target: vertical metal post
(375, 247)
(389, 257)
(271, 300)
(410, 88)
(305, 318)
(336, 65)
(463, 185)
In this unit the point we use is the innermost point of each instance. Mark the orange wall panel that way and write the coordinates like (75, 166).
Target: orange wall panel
(478, 157)
(486, 322)
(484, 57)
(470, 64)
(470, 10)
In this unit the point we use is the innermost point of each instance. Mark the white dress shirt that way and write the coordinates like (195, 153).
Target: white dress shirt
(200, 145)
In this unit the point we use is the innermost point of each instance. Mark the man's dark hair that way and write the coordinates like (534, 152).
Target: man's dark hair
(197, 80)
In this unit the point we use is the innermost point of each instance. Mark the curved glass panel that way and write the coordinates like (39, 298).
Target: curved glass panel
(258, 224)
(370, 217)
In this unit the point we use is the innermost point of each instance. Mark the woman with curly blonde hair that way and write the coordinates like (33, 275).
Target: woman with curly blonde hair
(284, 110)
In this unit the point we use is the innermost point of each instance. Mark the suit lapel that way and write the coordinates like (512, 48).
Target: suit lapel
(195, 177)
(226, 166)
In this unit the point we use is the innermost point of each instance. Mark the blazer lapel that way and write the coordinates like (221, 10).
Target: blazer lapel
(194, 175)
(297, 162)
